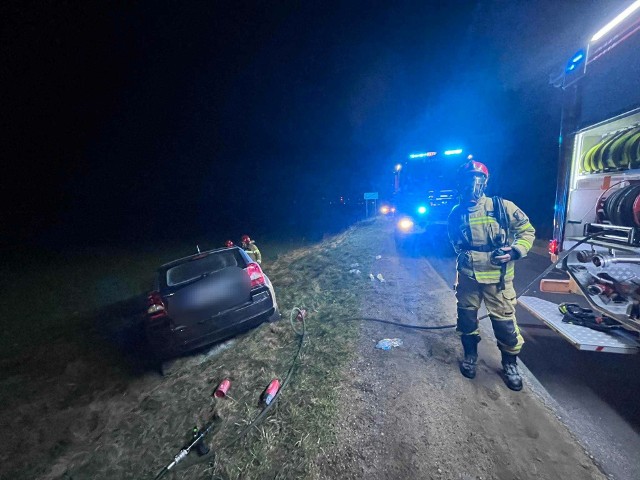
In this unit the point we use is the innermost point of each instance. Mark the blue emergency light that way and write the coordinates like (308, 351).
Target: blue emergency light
(576, 60)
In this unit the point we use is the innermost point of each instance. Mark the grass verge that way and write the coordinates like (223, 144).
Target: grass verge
(101, 423)
(300, 426)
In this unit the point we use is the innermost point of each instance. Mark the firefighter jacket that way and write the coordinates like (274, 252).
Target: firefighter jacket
(253, 251)
(474, 232)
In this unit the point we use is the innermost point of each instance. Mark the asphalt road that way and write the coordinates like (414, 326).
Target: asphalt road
(598, 394)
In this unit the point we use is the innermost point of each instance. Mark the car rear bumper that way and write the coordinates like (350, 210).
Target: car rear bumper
(168, 338)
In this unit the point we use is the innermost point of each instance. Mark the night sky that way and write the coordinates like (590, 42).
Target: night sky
(141, 120)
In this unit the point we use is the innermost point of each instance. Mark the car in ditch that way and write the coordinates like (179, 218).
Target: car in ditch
(206, 298)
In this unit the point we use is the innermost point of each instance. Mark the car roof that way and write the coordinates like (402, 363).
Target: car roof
(195, 256)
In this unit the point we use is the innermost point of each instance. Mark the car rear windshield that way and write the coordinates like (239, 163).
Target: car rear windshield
(199, 266)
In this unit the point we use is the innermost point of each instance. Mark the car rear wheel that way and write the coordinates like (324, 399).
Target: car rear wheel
(275, 316)
(169, 367)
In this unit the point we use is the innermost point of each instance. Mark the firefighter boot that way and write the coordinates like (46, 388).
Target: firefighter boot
(510, 372)
(470, 346)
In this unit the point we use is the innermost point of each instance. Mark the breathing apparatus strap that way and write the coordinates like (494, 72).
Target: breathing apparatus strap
(477, 248)
(585, 317)
(503, 221)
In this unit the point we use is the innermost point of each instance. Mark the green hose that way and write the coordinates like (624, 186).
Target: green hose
(299, 314)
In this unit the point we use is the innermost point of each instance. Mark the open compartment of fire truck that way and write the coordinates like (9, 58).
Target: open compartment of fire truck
(604, 190)
(598, 194)
(603, 199)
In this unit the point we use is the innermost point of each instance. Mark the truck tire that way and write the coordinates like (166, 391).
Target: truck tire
(406, 245)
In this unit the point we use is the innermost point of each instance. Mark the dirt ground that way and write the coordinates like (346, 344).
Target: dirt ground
(87, 408)
(409, 413)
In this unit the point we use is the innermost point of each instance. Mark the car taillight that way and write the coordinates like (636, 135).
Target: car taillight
(156, 306)
(255, 274)
(554, 247)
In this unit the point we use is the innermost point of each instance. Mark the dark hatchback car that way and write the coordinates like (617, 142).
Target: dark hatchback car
(207, 298)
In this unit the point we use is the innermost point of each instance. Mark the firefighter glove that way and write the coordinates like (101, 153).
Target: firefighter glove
(504, 255)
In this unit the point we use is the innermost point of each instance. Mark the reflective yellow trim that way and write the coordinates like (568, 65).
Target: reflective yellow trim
(524, 243)
(493, 273)
(475, 332)
(486, 276)
(524, 227)
(481, 220)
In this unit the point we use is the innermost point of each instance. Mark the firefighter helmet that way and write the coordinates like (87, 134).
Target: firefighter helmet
(472, 180)
(245, 239)
(228, 244)
(473, 167)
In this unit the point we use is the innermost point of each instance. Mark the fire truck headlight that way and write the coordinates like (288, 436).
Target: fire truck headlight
(406, 224)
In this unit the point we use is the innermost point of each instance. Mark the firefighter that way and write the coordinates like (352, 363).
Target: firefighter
(488, 235)
(229, 244)
(251, 248)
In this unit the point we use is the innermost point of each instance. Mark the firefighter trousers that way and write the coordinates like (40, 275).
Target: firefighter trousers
(500, 305)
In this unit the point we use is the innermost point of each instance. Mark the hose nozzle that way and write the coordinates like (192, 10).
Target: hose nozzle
(604, 261)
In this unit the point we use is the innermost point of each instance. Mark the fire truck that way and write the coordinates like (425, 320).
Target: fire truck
(596, 237)
(424, 194)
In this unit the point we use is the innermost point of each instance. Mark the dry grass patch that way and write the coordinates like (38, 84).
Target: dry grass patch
(136, 438)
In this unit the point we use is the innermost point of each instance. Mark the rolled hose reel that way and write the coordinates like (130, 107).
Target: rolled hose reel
(621, 207)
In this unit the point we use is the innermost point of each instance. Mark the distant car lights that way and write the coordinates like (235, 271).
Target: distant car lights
(387, 209)
(406, 224)
(453, 152)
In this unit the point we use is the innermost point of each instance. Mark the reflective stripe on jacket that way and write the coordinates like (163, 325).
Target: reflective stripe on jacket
(253, 251)
(476, 226)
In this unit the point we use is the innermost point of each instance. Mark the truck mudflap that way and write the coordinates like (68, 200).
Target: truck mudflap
(583, 338)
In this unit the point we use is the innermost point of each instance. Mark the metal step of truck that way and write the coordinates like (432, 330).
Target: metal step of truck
(583, 338)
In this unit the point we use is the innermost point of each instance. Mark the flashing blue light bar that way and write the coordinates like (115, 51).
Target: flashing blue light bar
(576, 60)
(422, 155)
(422, 209)
(453, 152)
